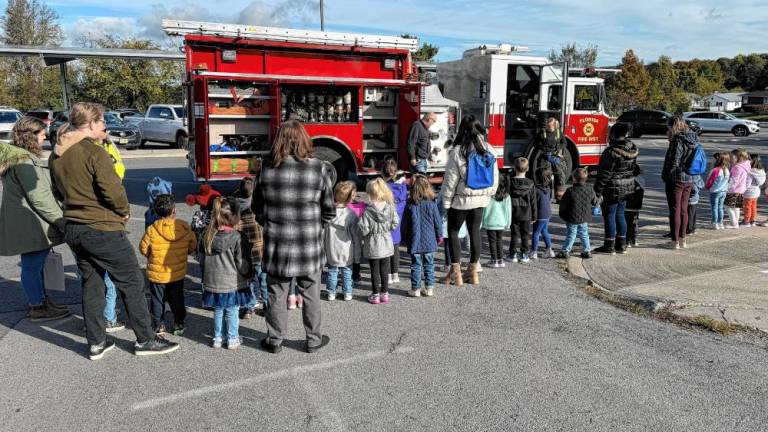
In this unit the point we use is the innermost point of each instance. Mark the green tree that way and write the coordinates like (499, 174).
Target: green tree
(749, 69)
(426, 52)
(576, 55)
(629, 88)
(664, 92)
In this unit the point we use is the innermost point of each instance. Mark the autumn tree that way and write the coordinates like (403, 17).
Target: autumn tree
(629, 88)
(664, 92)
(577, 56)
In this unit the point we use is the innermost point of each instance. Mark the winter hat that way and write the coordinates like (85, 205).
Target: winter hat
(204, 196)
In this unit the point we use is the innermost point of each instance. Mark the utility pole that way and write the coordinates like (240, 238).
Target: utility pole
(322, 15)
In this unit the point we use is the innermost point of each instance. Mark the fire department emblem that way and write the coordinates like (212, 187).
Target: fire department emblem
(589, 129)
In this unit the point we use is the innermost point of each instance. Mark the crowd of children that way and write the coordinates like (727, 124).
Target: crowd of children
(735, 184)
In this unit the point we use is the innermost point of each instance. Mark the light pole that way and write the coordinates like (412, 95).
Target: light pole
(322, 15)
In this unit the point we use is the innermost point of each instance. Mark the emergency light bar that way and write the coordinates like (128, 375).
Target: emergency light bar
(276, 34)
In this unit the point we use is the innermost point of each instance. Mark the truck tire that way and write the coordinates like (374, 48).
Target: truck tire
(181, 141)
(340, 170)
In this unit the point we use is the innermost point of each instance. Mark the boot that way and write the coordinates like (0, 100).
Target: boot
(471, 275)
(454, 276)
(621, 245)
(47, 313)
(607, 247)
(55, 306)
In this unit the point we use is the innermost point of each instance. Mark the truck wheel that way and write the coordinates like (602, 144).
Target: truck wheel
(740, 131)
(181, 142)
(334, 160)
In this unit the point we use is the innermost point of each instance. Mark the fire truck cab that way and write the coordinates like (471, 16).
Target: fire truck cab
(513, 94)
(357, 96)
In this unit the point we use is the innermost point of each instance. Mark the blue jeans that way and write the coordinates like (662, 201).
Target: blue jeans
(258, 288)
(422, 262)
(333, 278)
(541, 229)
(717, 203)
(109, 308)
(233, 322)
(613, 214)
(32, 281)
(573, 230)
(421, 166)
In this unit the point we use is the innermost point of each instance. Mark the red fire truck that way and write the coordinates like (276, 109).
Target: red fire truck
(513, 94)
(357, 96)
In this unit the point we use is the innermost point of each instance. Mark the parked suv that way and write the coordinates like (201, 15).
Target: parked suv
(8, 118)
(652, 122)
(723, 122)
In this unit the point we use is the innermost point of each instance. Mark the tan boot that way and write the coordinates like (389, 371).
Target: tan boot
(454, 276)
(471, 276)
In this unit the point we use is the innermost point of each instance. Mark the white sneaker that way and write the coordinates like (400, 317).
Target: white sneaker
(731, 226)
(715, 226)
(234, 344)
(683, 244)
(428, 292)
(331, 296)
(524, 259)
(348, 297)
(500, 263)
(551, 253)
(216, 343)
(534, 255)
(674, 245)
(415, 292)
(390, 279)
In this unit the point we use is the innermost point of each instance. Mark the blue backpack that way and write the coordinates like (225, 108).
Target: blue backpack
(697, 164)
(480, 170)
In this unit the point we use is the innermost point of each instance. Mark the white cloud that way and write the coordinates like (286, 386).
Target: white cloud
(100, 27)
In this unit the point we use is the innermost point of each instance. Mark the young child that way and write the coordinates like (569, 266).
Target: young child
(755, 183)
(201, 218)
(166, 244)
(400, 193)
(155, 187)
(737, 185)
(358, 208)
(376, 226)
(576, 211)
(544, 212)
(254, 234)
(227, 269)
(523, 196)
(422, 232)
(717, 184)
(497, 218)
(341, 240)
(693, 202)
(634, 205)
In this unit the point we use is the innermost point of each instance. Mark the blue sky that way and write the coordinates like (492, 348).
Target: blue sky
(680, 29)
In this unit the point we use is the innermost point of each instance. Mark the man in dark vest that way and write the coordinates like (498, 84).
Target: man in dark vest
(550, 144)
(419, 142)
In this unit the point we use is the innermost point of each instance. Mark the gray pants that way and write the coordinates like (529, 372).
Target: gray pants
(277, 312)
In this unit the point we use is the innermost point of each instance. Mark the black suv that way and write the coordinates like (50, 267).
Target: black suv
(651, 122)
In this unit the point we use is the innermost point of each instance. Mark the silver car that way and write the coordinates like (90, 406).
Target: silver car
(723, 122)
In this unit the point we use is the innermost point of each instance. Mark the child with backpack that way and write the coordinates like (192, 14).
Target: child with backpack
(376, 226)
(576, 211)
(422, 232)
(341, 240)
(717, 184)
(254, 234)
(522, 194)
(756, 181)
(399, 191)
(544, 212)
(497, 218)
(693, 202)
(634, 205)
(737, 185)
(166, 244)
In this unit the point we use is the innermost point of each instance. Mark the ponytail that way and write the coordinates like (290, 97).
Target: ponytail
(224, 213)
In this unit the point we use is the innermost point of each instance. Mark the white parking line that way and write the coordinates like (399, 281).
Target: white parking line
(285, 373)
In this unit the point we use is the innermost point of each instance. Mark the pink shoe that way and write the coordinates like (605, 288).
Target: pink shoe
(300, 301)
(385, 298)
(374, 299)
(291, 301)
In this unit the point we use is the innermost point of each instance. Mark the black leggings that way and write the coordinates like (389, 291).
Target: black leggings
(394, 260)
(379, 274)
(473, 219)
(495, 238)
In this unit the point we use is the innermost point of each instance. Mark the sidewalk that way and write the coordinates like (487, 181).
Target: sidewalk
(722, 275)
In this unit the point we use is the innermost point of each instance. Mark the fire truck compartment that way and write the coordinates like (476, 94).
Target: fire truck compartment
(319, 103)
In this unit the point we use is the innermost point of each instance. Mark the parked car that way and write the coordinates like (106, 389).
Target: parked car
(651, 122)
(723, 122)
(118, 131)
(8, 118)
(47, 116)
(163, 123)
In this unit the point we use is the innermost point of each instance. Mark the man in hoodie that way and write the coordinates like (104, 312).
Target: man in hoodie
(96, 209)
(522, 192)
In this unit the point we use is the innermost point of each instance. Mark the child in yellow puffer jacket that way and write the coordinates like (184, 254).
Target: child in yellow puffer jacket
(166, 244)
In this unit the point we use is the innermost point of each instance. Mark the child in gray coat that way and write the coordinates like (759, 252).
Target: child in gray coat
(341, 240)
(376, 226)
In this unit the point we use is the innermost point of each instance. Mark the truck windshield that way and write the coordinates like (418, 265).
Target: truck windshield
(180, 112)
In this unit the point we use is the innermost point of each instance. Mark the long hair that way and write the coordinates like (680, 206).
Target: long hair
(422, 189)
(224, 213)
(756, 162)
(24, 134)
(389, 169)
(470, 136)
(722, 160)
(292, 140)
(501, 191)
(378, 190)
(679, 126)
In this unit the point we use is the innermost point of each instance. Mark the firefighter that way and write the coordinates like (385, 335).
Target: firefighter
(550, 145)
(419, 142)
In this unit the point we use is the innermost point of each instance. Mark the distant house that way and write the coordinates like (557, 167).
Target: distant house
(756, 101)
(723, 102)
(695, 101)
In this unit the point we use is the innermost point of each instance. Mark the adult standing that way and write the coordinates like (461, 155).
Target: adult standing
(31, 220)
(96, 210)
(293, 203)
(550, 145)
(463, 203)
(677, 182)
(420, 143)
(615, 183)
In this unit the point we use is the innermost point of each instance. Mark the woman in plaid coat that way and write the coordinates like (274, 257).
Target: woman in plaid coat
(293, 203)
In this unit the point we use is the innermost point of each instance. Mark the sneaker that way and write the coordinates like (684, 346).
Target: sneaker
(562, 254)
(178, 330)
(248, 314)
(374, 299)
(97, 351)
(551, 253)
(524, 258)
(500, 263)
(47, 313)
(324, 340)
(745, 224)
(534, 255)
(292, 301)
(217, 342)
(683, 244)
(714, 226)
(414, 292)
(330, 296)
(384, 298)
(586, 255)
(299, 301)
(428, 292)
(754, 224)
(390, 279)
(731, 226)
(674, 245)
(491, 264)
(113, 327)
(511, 258)
(234, 344)
(396, 278)
(348, 297)
(155, 346)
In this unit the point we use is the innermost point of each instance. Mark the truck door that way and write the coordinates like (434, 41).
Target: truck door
(409, 105)
(554, 90)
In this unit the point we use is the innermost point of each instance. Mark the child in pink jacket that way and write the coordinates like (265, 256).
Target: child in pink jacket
(734, 199)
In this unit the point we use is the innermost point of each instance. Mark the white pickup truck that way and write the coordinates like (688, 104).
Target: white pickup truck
(163, 123)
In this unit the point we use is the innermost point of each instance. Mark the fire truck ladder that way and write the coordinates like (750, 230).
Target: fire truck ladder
(181, 28)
